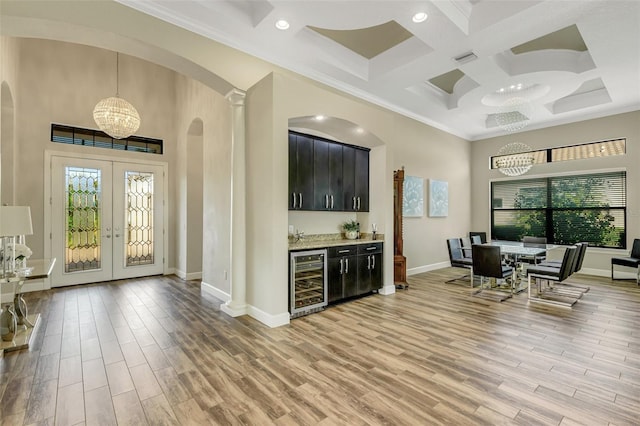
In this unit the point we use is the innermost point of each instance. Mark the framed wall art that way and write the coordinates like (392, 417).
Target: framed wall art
(413, 197)
(438, 198)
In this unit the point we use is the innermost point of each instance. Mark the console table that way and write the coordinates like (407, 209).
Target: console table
(36, 269)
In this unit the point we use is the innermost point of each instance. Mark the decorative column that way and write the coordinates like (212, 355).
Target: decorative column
(237, 305)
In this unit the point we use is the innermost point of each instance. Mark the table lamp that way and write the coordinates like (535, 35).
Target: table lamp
(14, 221)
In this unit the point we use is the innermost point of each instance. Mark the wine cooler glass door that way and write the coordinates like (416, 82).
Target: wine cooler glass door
(308, 281)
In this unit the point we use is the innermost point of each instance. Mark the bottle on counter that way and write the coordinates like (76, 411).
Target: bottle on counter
(358, 232)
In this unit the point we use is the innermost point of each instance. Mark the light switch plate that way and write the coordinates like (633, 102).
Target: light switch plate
(291, 229)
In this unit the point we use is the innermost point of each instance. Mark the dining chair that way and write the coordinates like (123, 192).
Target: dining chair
(537, 242)
(550, 274)
(487, 263)
(458, 259)
(482, 235)
(578, 260)
(633, 261)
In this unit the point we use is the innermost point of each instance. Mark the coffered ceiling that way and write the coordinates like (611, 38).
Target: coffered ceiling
(474, 68)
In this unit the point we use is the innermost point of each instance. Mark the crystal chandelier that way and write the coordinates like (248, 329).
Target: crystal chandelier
(515, 159)
(514, 114)
(115, 116)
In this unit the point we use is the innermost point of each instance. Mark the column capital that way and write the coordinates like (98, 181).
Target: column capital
(236, 97)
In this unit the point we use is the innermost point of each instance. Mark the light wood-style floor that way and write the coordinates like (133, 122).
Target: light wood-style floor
(156, 351)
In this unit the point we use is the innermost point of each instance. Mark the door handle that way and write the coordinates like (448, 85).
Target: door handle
(294, 199)
(346, 271)
(368, 262)
(300, 199)
(373, 258)
(358, 203)
(340, 266)
(326, 201)
(332, 202)
(354, 203)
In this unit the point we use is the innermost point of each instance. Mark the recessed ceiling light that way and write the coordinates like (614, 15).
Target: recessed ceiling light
(319, 117)
(359, 130)
(420, 17)
(281, 24)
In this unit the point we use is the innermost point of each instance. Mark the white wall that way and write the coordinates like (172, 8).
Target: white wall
(8, 92)
(195, 101)
(597, 261)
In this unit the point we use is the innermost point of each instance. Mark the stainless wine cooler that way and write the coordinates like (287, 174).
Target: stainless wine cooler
(308, 282)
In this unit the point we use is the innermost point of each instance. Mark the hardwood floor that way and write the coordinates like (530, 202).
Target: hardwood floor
(155, 351)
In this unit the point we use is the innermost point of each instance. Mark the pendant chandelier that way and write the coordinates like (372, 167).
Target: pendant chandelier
(515, 159)
(115, 116)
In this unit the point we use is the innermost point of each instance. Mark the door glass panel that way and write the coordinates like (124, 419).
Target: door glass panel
(139, 218)
(82, 227)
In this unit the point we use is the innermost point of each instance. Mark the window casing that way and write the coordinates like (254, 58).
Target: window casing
(564, 209)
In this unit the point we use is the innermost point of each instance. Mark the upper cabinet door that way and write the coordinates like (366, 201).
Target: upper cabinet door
(300, 172)
(327, 170)
(362, 180)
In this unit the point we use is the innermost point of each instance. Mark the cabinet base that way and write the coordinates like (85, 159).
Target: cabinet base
(23, 337)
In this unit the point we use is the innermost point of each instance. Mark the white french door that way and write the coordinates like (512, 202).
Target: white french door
(106, 220)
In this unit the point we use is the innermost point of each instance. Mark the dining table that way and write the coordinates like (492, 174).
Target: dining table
(514, 252)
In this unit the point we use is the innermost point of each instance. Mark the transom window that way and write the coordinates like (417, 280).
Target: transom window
(95, 138)
(564, 209)
(572, 152)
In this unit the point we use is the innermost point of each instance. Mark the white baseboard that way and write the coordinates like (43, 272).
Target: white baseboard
(170, 271)
(387, 290)
(181, 274)
(268, 319)
(619, 274)
(193, 276)
(210, 289)
(427, 268)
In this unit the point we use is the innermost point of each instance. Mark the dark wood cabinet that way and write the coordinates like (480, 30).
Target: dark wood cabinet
(362, 180)
(342, 272)
(327, 167)
(327, 175)
(356, 179)
(369, 267)
(354, 270)
(301, 174)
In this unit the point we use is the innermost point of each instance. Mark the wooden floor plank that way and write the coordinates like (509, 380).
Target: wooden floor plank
(157, 351)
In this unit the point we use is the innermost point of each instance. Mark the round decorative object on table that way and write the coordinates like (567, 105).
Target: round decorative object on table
(8, 323)
(351, 235)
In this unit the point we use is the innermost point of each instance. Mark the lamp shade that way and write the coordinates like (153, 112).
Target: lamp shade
(15, 220)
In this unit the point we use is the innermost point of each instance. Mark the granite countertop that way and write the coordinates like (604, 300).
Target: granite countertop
(330, 240)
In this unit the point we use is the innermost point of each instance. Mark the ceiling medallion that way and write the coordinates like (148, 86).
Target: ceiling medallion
(515, 159)
(514, 114)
